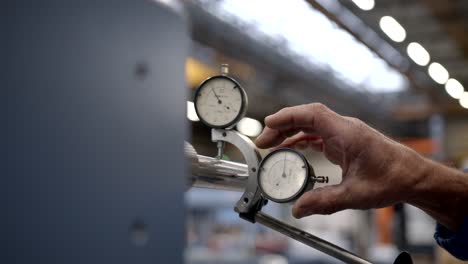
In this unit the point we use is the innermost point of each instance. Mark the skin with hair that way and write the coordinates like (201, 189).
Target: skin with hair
(377, 171)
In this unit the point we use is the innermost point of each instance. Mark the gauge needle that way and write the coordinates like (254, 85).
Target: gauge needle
(284, 167)
(217, 97)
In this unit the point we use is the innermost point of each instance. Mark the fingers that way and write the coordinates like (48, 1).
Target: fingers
(308, 117)
(325, 200)
(312, 118)
(273, 137)
(302, 141)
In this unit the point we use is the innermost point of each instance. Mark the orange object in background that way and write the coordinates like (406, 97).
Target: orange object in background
(384, 218)
(197, 71)
(424, 146)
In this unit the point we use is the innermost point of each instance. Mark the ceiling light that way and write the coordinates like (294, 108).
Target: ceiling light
(364, 4)
(191, 113)
(392, 28)
(464, 100)
(438, 73)
(249, 127)
(454, 88)
(418, 54)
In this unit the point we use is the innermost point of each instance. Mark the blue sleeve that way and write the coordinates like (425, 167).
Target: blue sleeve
(456, 243)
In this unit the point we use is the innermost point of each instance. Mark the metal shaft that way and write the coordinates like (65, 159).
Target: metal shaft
(309, 239)
(219, 174)
(207, 172)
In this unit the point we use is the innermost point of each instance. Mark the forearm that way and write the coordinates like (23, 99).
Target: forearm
(442, 192)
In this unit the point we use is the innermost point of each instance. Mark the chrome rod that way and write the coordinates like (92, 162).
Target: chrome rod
(213, 173)
(309, 239)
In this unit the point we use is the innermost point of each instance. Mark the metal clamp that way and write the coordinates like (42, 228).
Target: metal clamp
(251, 199)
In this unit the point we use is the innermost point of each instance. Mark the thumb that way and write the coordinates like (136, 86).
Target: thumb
(324, 200)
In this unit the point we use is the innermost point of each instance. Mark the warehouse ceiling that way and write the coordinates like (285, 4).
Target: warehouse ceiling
(278, 77)
(440, 26)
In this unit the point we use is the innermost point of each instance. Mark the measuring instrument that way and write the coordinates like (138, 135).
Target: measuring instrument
(220, 101)
(282, 176)
(285, 174)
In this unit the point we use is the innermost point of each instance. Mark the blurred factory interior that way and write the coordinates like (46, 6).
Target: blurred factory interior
(100, 100)
(400, 66)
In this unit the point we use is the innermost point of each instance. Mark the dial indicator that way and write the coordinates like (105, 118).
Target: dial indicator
(220, 102)
(284, 175)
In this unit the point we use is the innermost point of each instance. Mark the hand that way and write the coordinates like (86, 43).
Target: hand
(377, 171)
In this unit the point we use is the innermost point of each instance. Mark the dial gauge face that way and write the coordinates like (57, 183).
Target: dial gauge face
(220, 102)
(283, 175)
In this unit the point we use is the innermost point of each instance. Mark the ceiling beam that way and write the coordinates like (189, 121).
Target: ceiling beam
(453, 19)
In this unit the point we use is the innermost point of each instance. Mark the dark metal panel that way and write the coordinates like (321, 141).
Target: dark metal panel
(95, 129)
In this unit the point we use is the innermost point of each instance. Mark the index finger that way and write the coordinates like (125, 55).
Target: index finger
(311, 118)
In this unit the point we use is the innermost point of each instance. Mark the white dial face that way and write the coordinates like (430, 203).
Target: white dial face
(282, 174)
(219, 101)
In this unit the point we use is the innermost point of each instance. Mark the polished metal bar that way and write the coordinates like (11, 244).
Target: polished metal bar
(309, 239)
(207, 172)
(219, 174)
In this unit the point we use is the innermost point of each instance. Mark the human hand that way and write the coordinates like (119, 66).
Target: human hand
(377, 171)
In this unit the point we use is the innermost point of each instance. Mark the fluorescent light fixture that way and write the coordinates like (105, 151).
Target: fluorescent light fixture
(191, 113)
(249, 127)
(392, 28)
(464, 100)
(418, 54)
(454, 88)
(364, 4)
(438, 73)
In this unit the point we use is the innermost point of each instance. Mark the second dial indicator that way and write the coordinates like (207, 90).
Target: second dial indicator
(284, 175)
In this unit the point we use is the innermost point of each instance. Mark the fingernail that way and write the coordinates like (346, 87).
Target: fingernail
(259, 143)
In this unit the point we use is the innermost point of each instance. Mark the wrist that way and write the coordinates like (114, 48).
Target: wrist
(423, 172)
(411, 172)
(441, 192)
